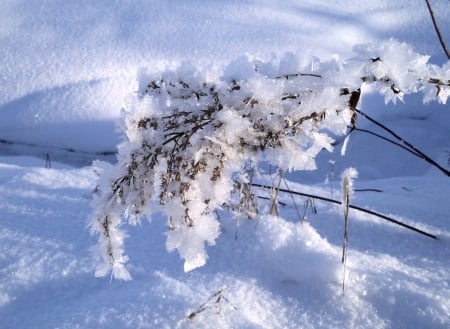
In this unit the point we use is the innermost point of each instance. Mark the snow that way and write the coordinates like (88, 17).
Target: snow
(67, 70)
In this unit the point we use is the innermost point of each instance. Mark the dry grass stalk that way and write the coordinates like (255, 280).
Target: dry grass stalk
(212, 302)
(346, 205)
(347, 189)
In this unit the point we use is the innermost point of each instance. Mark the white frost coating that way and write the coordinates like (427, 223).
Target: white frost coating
(400, 71)
(348, 177)
(187, 140)
(344, 145)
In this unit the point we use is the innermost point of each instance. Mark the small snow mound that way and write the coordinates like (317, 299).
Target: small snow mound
(296, 251)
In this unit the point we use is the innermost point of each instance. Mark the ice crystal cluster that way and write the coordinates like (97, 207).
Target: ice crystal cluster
(188, 140)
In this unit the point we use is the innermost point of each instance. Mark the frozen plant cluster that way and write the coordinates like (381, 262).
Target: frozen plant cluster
(188, 141)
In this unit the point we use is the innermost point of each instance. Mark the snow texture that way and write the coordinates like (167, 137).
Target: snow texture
(68, 69)
(190, 137)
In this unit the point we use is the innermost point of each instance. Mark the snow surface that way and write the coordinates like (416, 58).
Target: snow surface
(67, 68)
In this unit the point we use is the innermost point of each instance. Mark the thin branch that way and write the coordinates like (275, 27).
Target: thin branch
(218, 296)
(294, 75)
(419, 153)
(436, 27)
(295, 203)
(389, 219)
(346, 200)
(387, 140)
(368, 190)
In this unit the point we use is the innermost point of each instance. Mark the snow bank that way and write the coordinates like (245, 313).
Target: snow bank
(67, 67)
(83, 57)
(264, 273)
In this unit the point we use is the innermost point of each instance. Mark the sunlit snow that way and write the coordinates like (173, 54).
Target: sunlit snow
(67, 70)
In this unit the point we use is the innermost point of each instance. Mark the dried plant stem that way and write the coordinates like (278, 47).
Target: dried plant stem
(218, 296)
(387, 140)
(331, 177)
(346, 203)
(404, 144)
(295, 203)
(438, 31)
(48, 161)
(275, 190)
(309, 202)
(367, 211)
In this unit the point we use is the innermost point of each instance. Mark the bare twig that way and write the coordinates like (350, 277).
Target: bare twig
(274, 208)
(436, 27)
(367, 190)
(346, 192)
(48, 161)
(411, 148)
(294, 202)
(218, 296)
(331, 176)
(386, 139)
(309, 202)
(367, 211)
(294, 75)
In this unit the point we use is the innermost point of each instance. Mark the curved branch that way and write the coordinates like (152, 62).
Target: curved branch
(387, 140)
(419, 153)
(389, 219)
(436, 27)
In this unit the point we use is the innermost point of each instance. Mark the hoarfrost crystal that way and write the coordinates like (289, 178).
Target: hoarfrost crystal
(187, 141)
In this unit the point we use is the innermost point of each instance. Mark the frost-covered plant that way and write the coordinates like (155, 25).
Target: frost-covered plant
(190, 142)
(347, 177)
